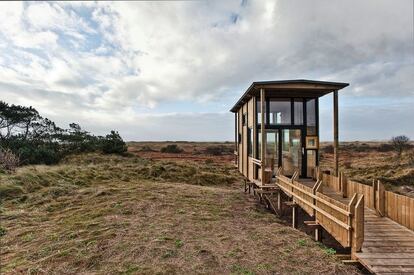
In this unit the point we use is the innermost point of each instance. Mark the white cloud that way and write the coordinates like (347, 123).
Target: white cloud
(132, 57)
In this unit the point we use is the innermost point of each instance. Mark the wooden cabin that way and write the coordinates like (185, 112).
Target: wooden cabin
(290, 136)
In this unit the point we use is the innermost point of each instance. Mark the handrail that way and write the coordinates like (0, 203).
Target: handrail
(337, 208)
(344, 225)
(345, 221)
(257, 161)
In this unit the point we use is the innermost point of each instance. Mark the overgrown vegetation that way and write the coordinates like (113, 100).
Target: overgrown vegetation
(109, 214)
(34, 139)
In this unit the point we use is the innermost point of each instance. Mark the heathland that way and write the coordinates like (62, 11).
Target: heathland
(178, 211)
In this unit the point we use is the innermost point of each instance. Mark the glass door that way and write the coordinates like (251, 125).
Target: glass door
(272, 148)
(291, 151)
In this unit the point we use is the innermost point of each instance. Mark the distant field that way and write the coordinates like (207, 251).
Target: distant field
(361, 161)
(95, 214)
(367, 161)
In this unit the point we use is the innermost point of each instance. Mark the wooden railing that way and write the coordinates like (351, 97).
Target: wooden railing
(345, 222)
(397, 207)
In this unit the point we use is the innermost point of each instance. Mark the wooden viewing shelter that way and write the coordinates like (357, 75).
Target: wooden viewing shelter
(290, 136)
(277, 150)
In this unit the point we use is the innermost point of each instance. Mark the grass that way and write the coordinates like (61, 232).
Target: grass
(364, 162)
(127, 215)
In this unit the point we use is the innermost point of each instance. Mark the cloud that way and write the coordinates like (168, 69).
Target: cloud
(126, 60)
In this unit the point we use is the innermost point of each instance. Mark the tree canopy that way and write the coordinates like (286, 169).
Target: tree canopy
(36, 139)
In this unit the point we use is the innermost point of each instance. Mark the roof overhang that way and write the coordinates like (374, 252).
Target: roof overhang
(289, 88)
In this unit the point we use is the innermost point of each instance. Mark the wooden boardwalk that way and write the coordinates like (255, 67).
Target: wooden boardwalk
(388, 247)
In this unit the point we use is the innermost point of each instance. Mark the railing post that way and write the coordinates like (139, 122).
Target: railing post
(351, 209)
(358, 227)
(344, 185)
(380, 199)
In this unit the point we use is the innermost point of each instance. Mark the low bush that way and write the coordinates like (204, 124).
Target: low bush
(146, 148)
(218, 150)
(171, 148)
(385, 147)
(9, 161)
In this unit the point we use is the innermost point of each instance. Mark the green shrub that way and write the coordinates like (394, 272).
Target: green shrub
(171, 148)
(113, 144)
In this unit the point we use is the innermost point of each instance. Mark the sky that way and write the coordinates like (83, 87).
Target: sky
(172, 70)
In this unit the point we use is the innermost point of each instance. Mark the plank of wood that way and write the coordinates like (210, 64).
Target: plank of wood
(401, 255)
(393, 269)
(389, 239)
(389, 244)
(388, 250)
(390, 262)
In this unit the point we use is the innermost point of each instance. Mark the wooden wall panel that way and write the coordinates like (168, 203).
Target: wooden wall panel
(240, 164)
(250, 113)
(244, 140)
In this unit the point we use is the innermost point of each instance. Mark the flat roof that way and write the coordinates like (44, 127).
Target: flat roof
(289, 88)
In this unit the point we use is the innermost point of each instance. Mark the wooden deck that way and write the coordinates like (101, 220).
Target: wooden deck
(387, 247)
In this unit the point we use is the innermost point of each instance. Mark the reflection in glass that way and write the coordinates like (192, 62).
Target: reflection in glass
(311, 117)
(291, 151)
(272, 150)
(280, 111)
(298, 111)
(311, 163)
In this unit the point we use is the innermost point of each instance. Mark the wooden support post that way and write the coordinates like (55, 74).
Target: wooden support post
(279, 202)
(318, 234)
(294, 216)
(263, 136)
(374, 194)
(335, 132)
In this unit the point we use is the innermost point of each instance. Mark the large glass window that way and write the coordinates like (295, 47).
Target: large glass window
(280, 111)
(311, 117)
(298, 111)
